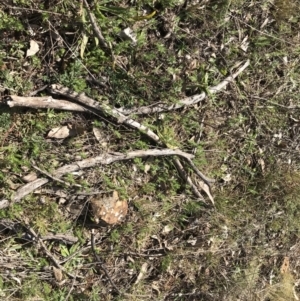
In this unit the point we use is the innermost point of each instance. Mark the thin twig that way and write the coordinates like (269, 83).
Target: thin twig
(185, 176)
(290, 107)
(49, 254)
(101, 264)
(38, 90)
(53, 177)
(198, 136)
(71, 289)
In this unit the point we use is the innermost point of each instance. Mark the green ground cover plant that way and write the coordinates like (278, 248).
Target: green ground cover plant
(170, 245)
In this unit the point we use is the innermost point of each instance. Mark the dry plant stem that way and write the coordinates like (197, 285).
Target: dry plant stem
(188, 101)
(105, 159)
(44, 102)
(95, 26)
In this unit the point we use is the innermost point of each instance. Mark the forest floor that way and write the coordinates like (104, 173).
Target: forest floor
(170, 234)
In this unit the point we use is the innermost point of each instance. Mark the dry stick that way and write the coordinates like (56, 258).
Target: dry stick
(67, 239)
(44, 102)
(104, 159)
(188, 101)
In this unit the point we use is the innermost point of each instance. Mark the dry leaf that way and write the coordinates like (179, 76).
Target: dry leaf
(206, 189)
(142, 273)
(83, 44)
(98, 133)
(12, 185)
(109, 208)
(285, 265)
(146, 168)
(33, 49)
(167, 229)
(30, 177)
(57, 274)
(128, 34)
(65, 131)
(4, 204)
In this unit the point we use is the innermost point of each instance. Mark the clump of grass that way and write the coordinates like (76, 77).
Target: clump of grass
(284, 9)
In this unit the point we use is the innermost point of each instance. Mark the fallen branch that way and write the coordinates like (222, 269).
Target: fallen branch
(104, 109)
(120, 116)
(44, 102)
(104, 159)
